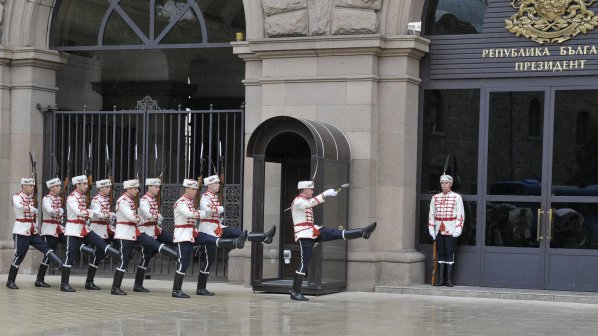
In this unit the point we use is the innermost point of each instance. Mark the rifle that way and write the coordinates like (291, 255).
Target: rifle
(222, 175)
(65, 185)
(200, 177)
(34, 176)
(159, 196)
(89, 176)
(109, 168)
(136, 168)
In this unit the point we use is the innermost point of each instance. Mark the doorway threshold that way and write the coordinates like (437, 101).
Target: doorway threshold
(493, 293)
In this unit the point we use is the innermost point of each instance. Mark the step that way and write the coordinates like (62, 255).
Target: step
(493, 293)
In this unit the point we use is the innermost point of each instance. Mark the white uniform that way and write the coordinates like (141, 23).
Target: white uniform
(446, 214)
(149, 213)
(52, 211)
(212, 223)
(25, 219)
(185, 216)
(76, 215)
(126, 219)
(101, 223)
(303, 216)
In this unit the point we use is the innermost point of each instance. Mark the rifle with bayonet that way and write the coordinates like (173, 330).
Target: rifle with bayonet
(65, 185)
(157, 165)
(110, 229)
(34, 176)
(89, 175)
(136, 168)
(199, 178)
(222, 175)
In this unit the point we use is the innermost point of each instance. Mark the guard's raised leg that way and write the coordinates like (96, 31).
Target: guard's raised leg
(262, 237)
(365, 232)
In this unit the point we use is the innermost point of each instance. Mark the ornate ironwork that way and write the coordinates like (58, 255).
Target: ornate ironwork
(551, 21)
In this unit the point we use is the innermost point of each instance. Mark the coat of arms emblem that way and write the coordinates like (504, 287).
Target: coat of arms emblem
(551, 21)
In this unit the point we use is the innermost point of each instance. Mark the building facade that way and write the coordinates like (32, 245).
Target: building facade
(511, 110)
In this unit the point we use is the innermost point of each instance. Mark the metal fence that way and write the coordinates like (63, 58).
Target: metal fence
(165, 141)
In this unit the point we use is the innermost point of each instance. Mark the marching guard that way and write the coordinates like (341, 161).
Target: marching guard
(77, 232)
(307, 234)
(212, 225)
(25, 230)
(186, 236)
(128, 234)
(102, 225)
(445, 224)
(53, 228)
(150, 224)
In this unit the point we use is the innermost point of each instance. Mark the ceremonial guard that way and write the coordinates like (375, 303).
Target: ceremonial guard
(128, 234)
(77, 232)
(186, 236)
(151, 224)
(213, 226)
(25, 230)
(102, 225)
(445, 224)
(307, 234)
(53, 228)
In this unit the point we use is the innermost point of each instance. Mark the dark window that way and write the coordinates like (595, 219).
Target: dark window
(534, 118)
(446, 17)
(581, 134)
(451, 124)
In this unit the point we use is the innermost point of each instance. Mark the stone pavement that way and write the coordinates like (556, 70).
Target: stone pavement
(236, 310)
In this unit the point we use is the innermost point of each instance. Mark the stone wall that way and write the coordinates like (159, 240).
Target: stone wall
(320, 17)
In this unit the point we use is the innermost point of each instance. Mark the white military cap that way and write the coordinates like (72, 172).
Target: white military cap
(27, 181)
(446, 178)
(211, 179)
(131, 184)
(53, 182)
(153, 182)
(103, 183)
(187, 183)
(305, 185)
(79, 179)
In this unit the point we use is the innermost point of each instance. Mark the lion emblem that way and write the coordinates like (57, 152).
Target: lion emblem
(551, 21)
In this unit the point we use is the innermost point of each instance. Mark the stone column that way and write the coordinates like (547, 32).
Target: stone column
(27, 77)
(367, 86)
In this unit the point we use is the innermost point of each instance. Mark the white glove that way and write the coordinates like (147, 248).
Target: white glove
(60, 211)
(112, 216)
(34, 210)
(329, 193)
(456, 234)
(160, 218)
(92, 213)
(432, 233)
(201, 213)
(220, 209)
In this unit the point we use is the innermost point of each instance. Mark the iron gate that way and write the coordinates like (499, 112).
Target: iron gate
(174, 137)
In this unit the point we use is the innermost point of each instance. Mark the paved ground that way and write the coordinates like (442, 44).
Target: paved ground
(236, 310)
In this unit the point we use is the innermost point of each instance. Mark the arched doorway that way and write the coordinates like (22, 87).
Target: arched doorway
(286, 150)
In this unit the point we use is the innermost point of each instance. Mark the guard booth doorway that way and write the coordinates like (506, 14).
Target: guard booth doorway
(286, 150)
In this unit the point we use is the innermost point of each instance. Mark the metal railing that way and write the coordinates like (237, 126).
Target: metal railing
(167, 141)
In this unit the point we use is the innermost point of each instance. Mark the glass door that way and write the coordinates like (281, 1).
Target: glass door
(572, 230)
(516, 141)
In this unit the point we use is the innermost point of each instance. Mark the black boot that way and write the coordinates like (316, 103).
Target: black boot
(176, 287)
(139, 276)
(449, 275)
(232, 243)
(111, 251)
(64, 280)
(118, 279)
(168, 251)
(41, 274)
(368, 230)
(91, 273)
(262, 237)
(440, 275)
(54, 258)
(12, 276)
(202, 281)
(87, 250)
(296, 289)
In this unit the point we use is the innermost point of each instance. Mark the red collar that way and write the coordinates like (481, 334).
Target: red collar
(148, 195)
(187, 197)
(78, 192)
(211, 194)
(52, 194)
